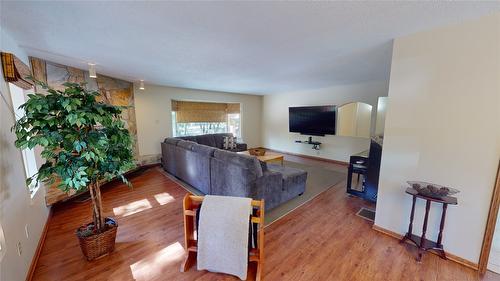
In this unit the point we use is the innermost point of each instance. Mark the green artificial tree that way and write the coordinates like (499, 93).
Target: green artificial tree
(84, 141)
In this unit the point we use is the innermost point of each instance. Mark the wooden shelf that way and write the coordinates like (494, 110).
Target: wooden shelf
(444, 200)
(315, 144)
(426, 245)
(422, 243)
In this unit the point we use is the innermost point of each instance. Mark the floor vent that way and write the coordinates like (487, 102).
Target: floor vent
(367, 214)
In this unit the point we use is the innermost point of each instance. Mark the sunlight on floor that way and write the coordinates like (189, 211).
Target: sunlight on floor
(156, 263)
(132, 208)
(164, 198)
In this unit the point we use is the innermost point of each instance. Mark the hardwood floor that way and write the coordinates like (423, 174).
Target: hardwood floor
(322, 240)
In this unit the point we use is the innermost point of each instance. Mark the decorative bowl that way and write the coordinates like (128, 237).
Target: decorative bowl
(432, 190)
(257, 151)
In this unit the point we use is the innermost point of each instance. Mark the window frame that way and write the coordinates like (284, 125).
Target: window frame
(29, 156)
(237, 133)
(3, 243)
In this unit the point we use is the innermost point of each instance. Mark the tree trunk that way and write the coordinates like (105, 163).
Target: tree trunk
(95, 194)
(99, 205)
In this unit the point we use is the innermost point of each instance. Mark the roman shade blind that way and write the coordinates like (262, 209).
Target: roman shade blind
(15, 71)
(233, 108)
(193, 112)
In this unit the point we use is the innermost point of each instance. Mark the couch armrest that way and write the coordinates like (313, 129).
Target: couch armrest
(164, 158)
(269, 188)
(241, 146)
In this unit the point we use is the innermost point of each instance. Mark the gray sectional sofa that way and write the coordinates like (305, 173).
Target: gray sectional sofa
(214, 140)
(220, 172)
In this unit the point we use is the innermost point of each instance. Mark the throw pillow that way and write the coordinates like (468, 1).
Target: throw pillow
(229, 143)
(232, 142)
(225, 143)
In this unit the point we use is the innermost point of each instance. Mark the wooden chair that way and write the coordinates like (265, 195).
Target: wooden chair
(191, 204)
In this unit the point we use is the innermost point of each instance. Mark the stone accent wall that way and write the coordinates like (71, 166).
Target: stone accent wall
(113, 91)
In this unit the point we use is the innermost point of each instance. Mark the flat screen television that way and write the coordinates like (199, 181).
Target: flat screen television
(312, 120)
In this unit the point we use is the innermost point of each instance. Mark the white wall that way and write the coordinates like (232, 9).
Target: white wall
(364, 114)
(347, 119)
(275, 132)
(443, 126)
(154, 119)
(381, 111)
(17, 209)
(354, 119)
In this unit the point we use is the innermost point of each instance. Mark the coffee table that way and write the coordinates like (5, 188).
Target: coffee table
(269, 157)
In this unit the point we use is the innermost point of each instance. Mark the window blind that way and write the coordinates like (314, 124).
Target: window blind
(15, 71)
(193, 112)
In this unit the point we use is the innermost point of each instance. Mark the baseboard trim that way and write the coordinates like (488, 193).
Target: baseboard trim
(39, 247)
(310, 157)
(451, 257)
(148, 166)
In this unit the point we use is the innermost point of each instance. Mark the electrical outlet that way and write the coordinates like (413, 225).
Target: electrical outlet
(26, 231)
(19, 249)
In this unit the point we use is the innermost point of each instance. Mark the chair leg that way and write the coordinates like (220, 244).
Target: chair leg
(188, 261)
(258, 274)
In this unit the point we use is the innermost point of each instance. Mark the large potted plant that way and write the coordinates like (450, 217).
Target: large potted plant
(84, 143)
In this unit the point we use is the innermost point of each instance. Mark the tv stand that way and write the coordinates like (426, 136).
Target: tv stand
(315, 144)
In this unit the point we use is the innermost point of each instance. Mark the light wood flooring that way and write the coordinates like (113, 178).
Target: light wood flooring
(321, 240)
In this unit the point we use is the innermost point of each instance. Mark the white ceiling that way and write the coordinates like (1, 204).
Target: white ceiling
(244, 47)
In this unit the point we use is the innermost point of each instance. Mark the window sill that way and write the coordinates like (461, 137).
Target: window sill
(34, 194)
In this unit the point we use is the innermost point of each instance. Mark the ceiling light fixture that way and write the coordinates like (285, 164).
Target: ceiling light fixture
(141, 85)
(92, 73)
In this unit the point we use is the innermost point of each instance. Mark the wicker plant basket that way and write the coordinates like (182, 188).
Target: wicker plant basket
(98, 245)
(257, 151)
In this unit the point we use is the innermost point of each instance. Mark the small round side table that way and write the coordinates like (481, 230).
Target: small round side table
(423, 243)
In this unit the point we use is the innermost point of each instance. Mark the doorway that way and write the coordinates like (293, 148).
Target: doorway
(494, 259)
(490, 251)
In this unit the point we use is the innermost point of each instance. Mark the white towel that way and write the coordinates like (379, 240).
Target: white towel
(223, 235)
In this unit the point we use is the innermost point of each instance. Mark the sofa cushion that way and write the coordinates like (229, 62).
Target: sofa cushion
(186, 144)
(173, 141)
(294, 181)
(204, 150)
(206, 140)
(247, 161)
(287, 173)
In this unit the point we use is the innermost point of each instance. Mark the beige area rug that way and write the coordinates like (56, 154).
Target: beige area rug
(318, 181)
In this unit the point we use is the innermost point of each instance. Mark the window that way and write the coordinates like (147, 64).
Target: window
(199, 118)
(233, 122)
(19, 96)
(2, 243)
